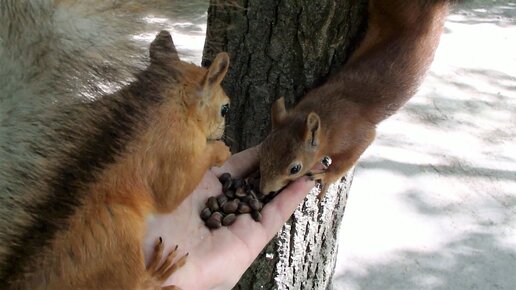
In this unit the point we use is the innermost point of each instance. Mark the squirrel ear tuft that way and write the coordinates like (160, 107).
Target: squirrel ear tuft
(162, 48)
(278, 112)
(312, 130)
(217, 71)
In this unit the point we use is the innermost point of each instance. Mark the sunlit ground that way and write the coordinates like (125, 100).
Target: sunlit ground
(187, 26)
(433, 202)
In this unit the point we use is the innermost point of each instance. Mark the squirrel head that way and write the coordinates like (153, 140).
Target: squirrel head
(196, 89)
(290, 150)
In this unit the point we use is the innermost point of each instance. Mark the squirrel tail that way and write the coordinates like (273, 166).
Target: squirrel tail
(394, 55)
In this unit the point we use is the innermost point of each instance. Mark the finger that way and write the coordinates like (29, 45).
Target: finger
(257, 234)
(277, 212)
(240, 164)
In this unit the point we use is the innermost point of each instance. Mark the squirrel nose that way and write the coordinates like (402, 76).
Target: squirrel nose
(267, 189)
(264, 187)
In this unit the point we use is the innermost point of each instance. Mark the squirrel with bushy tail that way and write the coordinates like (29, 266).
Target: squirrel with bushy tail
(96, 136)
(339, 118)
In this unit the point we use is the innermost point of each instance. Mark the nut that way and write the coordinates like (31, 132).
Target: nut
(244, 208)
(215, 221)
(221, 200)
(240, 192)
(224, 177)
(252, 193)
(239, 182)
(212, 204)
(255, 204)
(230, 194)
(230, 207)
(205, 213)
(246, 198)
(227, 185)
(256, 215)
(229, 219)
(240, 196)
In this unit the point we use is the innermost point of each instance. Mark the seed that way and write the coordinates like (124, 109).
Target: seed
(205, 213)
(221, 200)
(230, 194)
(244, 208)
(251, 193)
(255, 204)
(217, 216)
(246, 198)
(214, 222)
(227, 185)
(229, 219)
(240, 192)
(212, 203)
(224, 177)
(256, 215)
(239, 182)
(230, 206)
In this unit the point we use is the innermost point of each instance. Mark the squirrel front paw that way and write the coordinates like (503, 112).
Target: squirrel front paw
(221, 153)
(158, 272)
(327, 180)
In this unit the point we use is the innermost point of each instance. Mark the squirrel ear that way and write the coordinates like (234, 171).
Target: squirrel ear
(162, 48)
(312, 130)
(217, 71)
(278, 112)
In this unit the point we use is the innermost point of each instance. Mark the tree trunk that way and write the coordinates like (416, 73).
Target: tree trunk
(284, 48)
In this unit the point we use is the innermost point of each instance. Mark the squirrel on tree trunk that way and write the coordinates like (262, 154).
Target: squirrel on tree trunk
(339, 118)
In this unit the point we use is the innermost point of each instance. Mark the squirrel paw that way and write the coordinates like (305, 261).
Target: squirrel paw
(160, 272)
(326, 182)
(221, 153)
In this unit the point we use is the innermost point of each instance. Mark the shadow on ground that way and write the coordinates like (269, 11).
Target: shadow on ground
(444, 166)
(457, 265)
(499, 12)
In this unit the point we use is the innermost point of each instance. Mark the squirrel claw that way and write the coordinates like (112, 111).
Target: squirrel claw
(326, 161)
(159, 272)
(315, 175)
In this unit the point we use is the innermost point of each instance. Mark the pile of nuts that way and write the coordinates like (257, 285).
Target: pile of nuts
(239, 196)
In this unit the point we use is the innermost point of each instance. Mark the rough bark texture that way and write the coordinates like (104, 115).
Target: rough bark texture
(284, 48)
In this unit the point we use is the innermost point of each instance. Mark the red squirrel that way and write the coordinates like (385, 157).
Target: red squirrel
(339, 118)
(103, 167)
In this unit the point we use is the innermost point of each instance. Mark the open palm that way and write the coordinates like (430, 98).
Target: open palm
(218, 258)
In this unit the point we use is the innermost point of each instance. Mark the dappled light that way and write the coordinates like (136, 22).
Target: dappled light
(187, 24)
(433, 203)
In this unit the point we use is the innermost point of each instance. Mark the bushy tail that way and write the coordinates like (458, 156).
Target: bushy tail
(399, 45)
(63, 50)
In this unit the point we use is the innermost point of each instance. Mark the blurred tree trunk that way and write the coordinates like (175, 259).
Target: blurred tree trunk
(284, 48)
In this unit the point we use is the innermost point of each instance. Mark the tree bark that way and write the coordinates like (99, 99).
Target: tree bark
(284, 48)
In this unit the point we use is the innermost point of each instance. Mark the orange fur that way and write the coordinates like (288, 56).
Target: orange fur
(102, 246)
(339, 118)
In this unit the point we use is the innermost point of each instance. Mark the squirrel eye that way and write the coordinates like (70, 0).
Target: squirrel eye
(295, 168)
(224, 110)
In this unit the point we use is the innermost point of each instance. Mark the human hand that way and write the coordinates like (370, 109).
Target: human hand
(218, 258)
